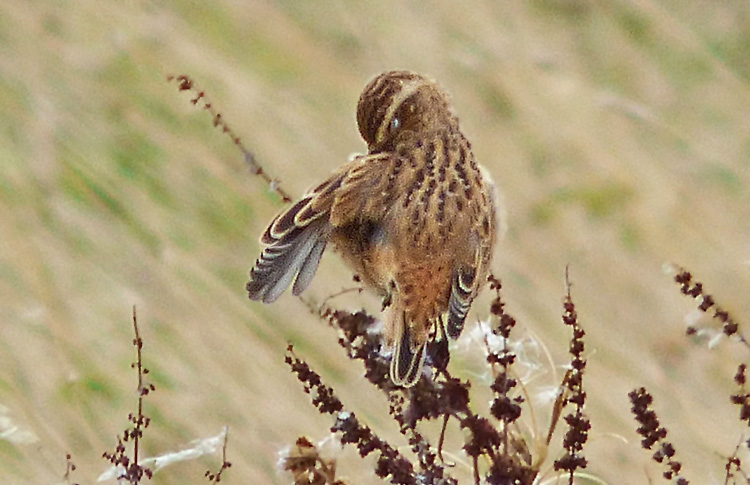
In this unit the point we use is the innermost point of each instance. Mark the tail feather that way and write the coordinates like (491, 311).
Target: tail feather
(295, 256)
(407, 362)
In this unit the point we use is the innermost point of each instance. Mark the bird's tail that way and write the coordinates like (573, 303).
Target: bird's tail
(408, 357)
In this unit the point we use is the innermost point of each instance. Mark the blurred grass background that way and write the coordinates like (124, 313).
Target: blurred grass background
(618, 131)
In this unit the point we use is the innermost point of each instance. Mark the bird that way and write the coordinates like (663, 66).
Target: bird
(415, 218)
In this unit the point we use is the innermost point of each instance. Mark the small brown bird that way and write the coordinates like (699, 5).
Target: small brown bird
(415, 218)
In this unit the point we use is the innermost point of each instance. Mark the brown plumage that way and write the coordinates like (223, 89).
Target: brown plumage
(415, 218)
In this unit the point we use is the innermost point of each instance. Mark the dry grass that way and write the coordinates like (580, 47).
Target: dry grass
(617, 130)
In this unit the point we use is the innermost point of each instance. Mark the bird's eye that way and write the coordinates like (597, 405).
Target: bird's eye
(395, 123)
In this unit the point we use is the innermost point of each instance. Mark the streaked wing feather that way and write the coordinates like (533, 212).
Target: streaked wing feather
(286, 222)
(309, 266)
(362, 189)
(296, 240)
(462, 295)
(281, 262)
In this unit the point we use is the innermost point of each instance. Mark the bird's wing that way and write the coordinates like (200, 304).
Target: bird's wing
(367, 190)
(467, 279)
(295, 241)
(463, 290)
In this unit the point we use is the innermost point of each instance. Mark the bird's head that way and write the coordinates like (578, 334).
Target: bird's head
(398, 105)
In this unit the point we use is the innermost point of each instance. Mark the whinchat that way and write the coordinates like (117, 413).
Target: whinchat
(415, 218)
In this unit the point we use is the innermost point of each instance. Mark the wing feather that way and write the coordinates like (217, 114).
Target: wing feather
(294, 257)
(364, 191)
(463, 288)
(295, 240)
(309, 266)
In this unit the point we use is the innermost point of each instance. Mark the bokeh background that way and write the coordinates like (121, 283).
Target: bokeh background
(618, 131)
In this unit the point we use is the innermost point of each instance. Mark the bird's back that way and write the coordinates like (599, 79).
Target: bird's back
(428, 215)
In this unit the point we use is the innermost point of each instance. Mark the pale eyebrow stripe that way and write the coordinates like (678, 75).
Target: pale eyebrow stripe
(407, 90)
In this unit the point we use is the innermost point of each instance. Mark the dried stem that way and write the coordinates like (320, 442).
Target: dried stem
(185, 83)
